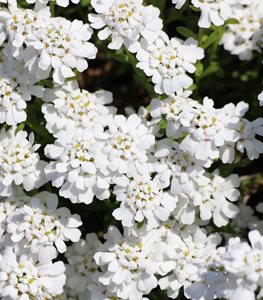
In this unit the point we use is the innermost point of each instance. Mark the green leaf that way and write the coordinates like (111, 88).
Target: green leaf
(210, 70)
(199, 69)
(20, 127)
(85, 3)
(46, 83)
(194, 8)
(211, 39)
(232, 21)
(121, 57)
(228, 169)
(173, 15)
(186, 32)
(140, 224)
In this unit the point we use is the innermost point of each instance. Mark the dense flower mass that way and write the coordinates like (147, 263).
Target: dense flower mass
(167, 61)
(48, 43)
(127, 264)
(212, 11)
(126, 146)
(126, 22)
(23, 278)
(20, 163)
(63, 3)
(17, 87)
(70, 108)
(141, 199)
(39, 225)
(246, 36)
(100, 205)
(78, 169)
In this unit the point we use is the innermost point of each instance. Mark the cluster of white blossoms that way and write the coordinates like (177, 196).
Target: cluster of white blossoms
(242, 37)
(20, 163)
(212, 11)
(22, 277)
(46, 44)
(126, 22)
(167, 61)
(63, 3)
(69, 107)
(17, 87)
(179, 221)
(33, 231)
(245, 37)
(139, 29)
(211, 133)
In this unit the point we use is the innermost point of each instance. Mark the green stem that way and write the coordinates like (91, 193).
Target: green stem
(200, 35)
(215, 45)
(52, 8)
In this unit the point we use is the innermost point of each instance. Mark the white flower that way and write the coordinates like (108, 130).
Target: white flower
(126, 21)
(102, 292)
(19, 23)
(247, 131)
(142, 198)
(210, 130)
(246, 36)
(212, 280)
(246, 219)
(12, 104)
(79, 168)
(16, 87)
(170, 108)
(213, 12)
(20, 164)
(260, 99)
(183, 171)
(44, 43)
(178, 3)
(248, 141)
(22, 277)
(82, 268)
(128, 263)
(188, 248)
(214, 199)
(61, 45)
(39, 225)
(126, 146)
(245, 263)
(63, 3)
(168, 61)
(7, 206)
(198, 193)
(71, 108)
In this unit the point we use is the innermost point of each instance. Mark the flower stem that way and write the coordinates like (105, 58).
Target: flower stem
(52, 8)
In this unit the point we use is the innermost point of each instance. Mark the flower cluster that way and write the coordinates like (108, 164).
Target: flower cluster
(44, 43)
(167, 61)
(23, 278)
(69, 107)
(17, 87)
(20, 163)
(139, 28)
(211, 133)
(126, 22)
(33, 229)
(243, 264)
(165, 175)
(212, 12)
(246, 36)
